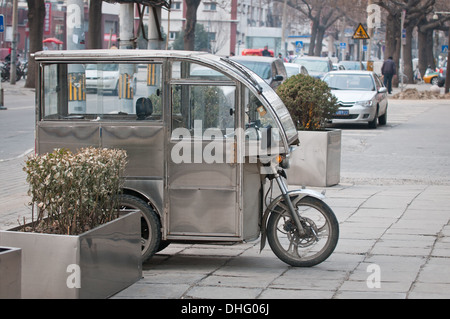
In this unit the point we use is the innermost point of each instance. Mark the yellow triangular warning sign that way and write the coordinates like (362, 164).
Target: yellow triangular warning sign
(360, 33)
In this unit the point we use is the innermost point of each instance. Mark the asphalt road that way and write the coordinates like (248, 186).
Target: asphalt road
(17, 122)
(412, 148)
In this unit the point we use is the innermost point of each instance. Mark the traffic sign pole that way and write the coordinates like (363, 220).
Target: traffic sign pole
(360, 34)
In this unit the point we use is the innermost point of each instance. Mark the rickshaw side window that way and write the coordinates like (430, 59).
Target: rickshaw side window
(198, 108)
(102, 91)
(52, 107)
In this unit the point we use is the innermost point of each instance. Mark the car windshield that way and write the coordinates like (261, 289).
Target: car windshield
(314, 65)
(352, 65)
(261, 68)
(360, 82)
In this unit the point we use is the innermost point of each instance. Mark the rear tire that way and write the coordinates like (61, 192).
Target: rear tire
(150, 224)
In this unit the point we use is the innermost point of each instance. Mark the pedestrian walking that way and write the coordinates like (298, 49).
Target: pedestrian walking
(389, 69)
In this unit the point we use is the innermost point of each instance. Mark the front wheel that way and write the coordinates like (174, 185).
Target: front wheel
(318, 241)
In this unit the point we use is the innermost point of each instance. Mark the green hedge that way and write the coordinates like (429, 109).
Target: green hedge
(309, 100)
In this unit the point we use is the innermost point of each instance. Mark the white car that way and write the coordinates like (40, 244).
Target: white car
(361, 95)
(108, 75)
(294, 69)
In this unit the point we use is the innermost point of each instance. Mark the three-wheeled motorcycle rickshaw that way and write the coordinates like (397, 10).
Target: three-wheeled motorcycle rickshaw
(206, 138)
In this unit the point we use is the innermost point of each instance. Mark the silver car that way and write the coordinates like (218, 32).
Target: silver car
(270, 69)
(316, 66)
(294, 69)
(361, 95)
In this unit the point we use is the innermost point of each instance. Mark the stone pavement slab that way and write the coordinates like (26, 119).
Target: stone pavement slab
(403, 249)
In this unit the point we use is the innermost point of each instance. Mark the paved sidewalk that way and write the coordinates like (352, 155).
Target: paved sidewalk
(399, 235)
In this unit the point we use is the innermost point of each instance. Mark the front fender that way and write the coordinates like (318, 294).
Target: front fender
(295, 196)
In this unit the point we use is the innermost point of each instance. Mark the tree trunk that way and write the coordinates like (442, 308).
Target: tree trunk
(393, 41)
(429, 49)
(191, 20)
(36, 15)
(95, 36)
(425, 39)
(312, 41)
(319, 41)
(392, 32)
(407, 55)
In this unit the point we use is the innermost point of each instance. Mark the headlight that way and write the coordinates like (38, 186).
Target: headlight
(283, 161)
(364, 103)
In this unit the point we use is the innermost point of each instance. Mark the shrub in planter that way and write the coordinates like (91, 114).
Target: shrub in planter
(77, 245)
(309, 101)
(73, 193)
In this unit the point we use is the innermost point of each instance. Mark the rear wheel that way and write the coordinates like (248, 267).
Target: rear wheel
(434, 81)
(150, 224)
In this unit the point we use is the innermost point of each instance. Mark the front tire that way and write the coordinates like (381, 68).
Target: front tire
(150, 224)
(382, 120)
(374, 123)
(320, 238)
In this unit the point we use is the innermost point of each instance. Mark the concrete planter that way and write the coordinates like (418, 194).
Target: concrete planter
(95, 264)
(10, 272)
(317, 161)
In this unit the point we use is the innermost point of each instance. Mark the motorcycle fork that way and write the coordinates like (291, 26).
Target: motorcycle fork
(287, 199)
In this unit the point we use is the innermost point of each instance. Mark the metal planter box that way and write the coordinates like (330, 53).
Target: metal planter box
(95, 264)
(317, 161)
(10, 272)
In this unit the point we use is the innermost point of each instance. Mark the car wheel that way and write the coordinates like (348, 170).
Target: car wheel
(434, 81)
(382, 120)
(374, 123)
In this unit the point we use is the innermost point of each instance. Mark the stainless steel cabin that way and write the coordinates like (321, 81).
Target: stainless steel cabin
(195, 126)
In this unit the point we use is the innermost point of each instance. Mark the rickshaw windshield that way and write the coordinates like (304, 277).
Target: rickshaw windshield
(272, 99)
(281, 112)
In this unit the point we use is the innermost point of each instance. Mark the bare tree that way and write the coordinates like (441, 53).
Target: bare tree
(221, 38)
(425, 27)
(417, 13)
(36, 15)
(322, 13)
